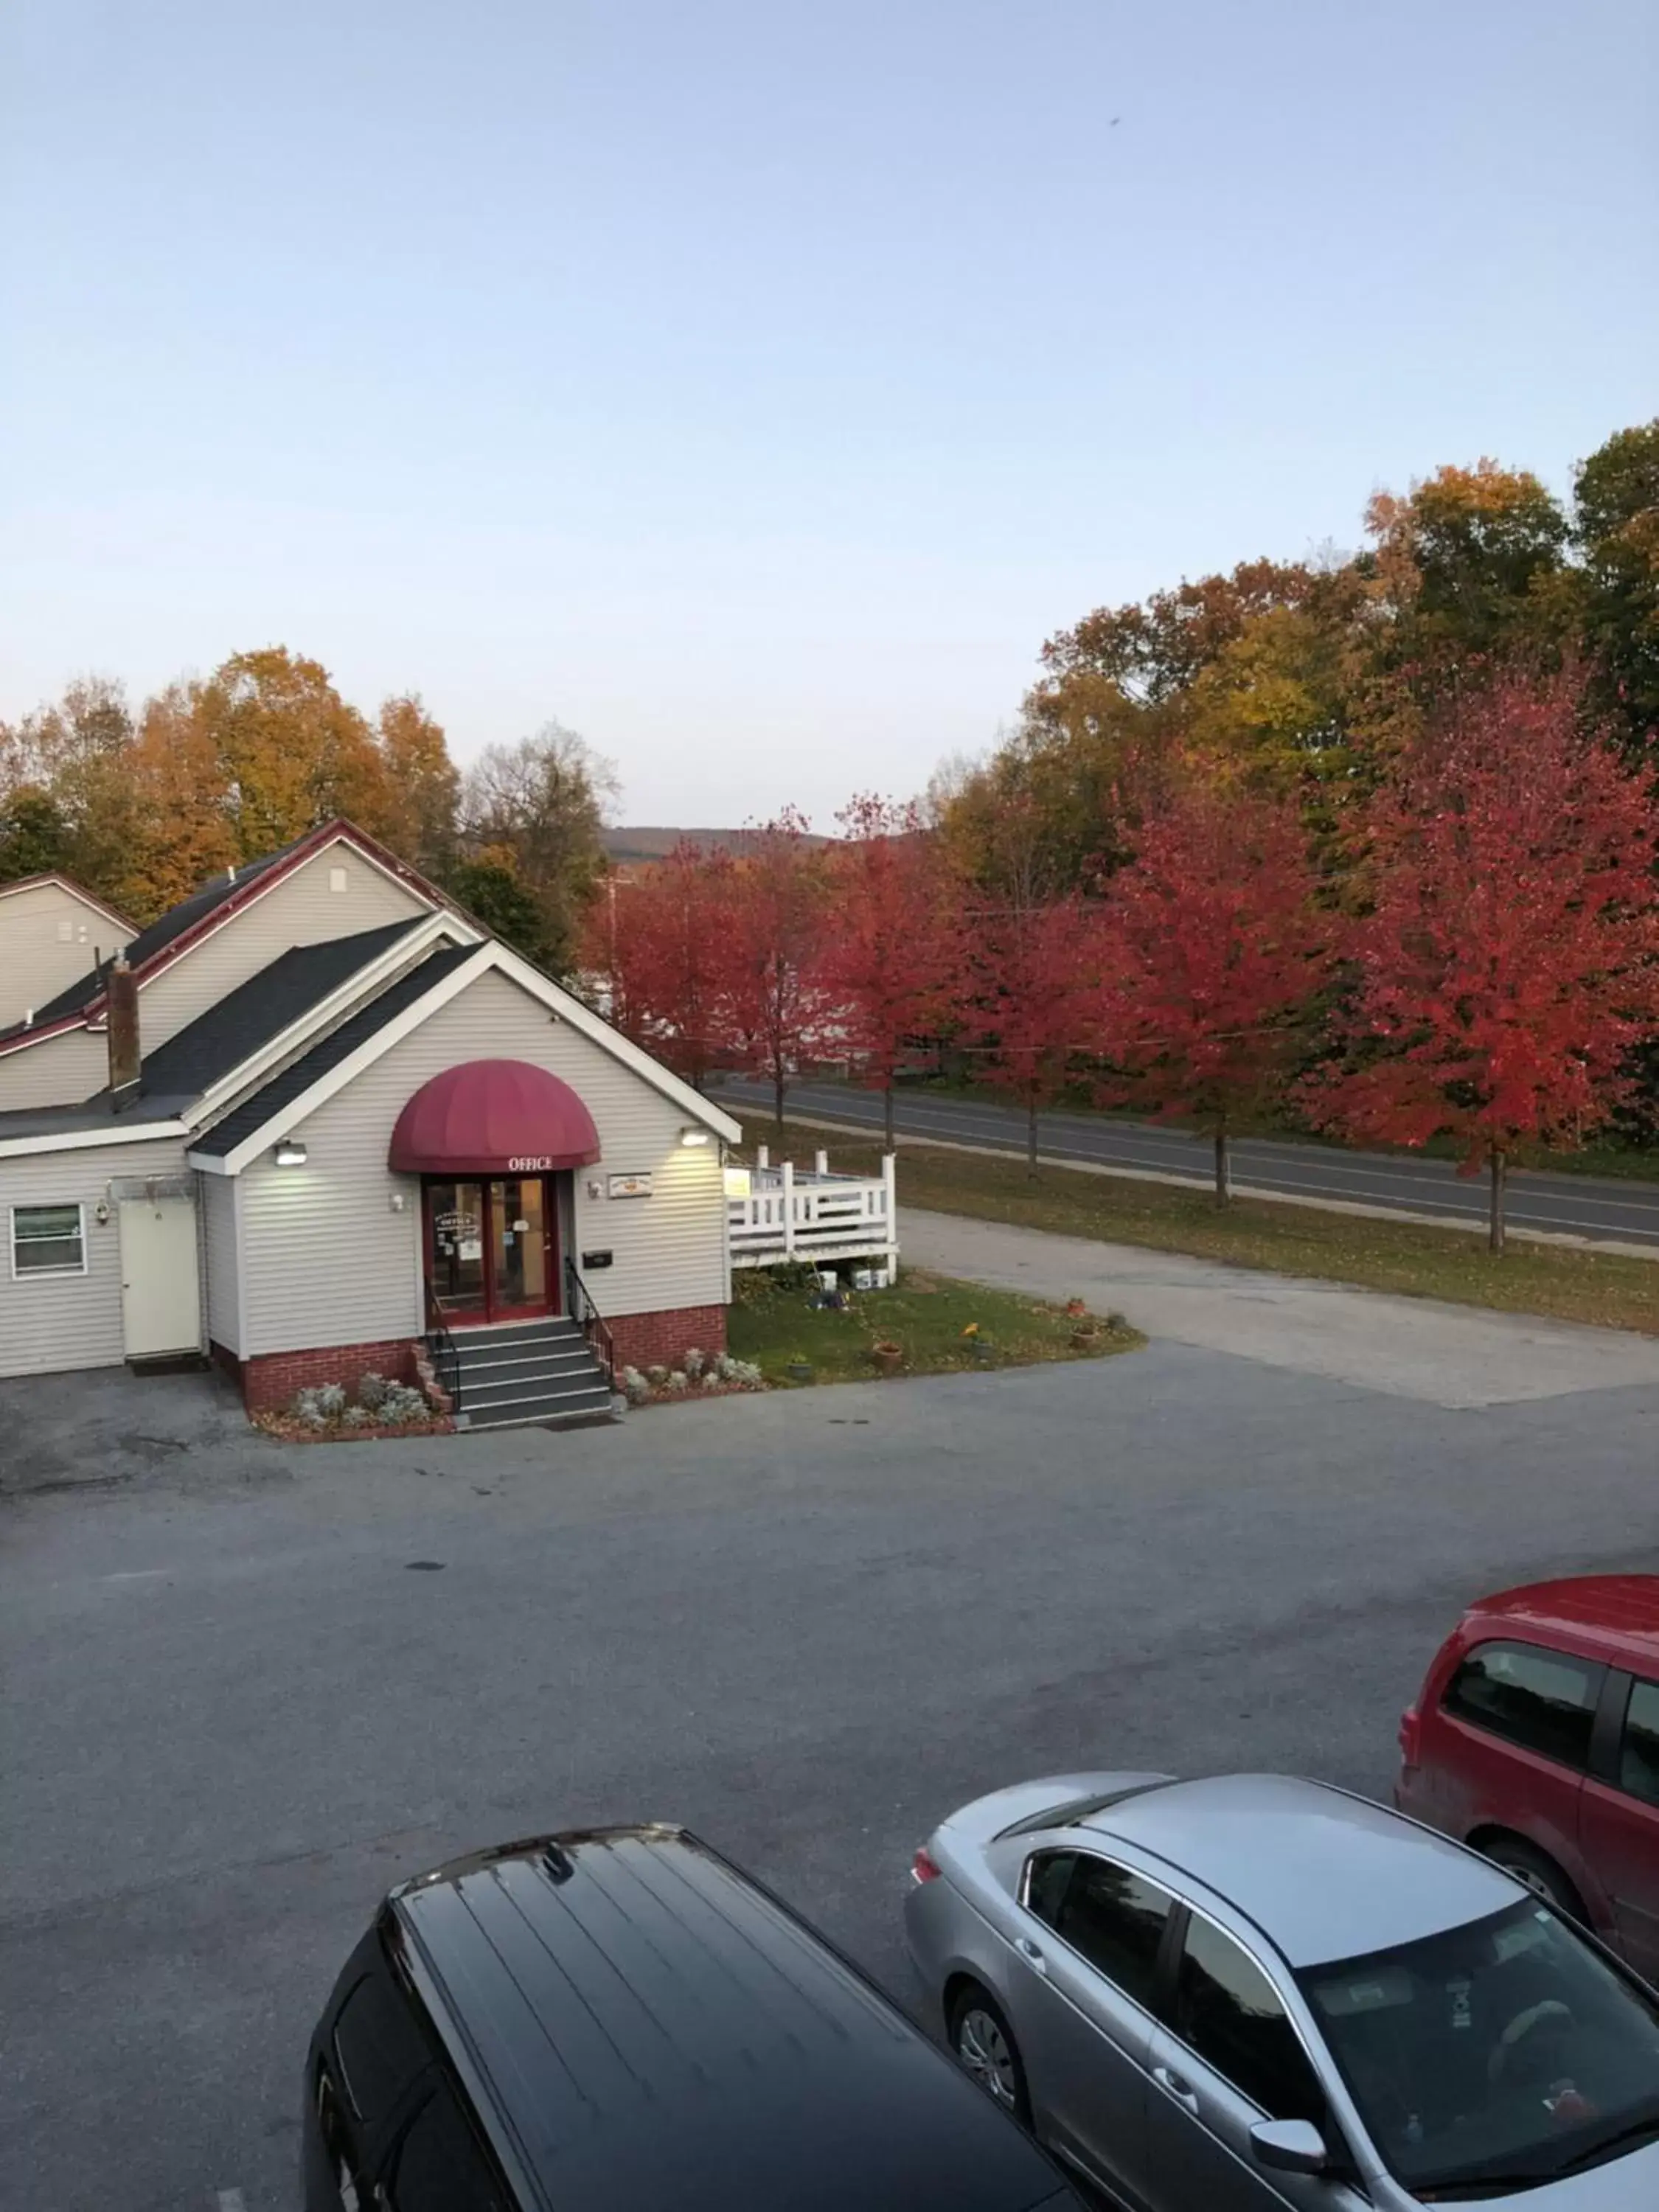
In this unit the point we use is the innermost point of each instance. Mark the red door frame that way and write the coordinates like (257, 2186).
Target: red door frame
(491, 1313)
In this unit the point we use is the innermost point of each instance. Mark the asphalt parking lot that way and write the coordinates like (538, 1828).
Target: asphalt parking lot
(248, 1687)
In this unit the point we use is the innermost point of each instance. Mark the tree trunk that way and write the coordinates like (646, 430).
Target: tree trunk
(1495, 1216)
(1224, 1180)
(887, 1121)
(777, 1098)
(1031, 1138)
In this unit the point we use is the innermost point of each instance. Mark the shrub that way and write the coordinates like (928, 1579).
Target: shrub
(357, 1417)
(636, 1388)
(372, 1389)
(695, 1362)
(331, 1399)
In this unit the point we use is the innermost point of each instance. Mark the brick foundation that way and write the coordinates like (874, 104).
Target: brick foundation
(662, 1339)
(270, 1380)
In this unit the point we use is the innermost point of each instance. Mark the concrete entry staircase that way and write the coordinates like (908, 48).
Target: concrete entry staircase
(518, 1373)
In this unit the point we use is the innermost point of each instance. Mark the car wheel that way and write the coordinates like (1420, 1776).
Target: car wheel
(984, 2045)
(1537, 1871)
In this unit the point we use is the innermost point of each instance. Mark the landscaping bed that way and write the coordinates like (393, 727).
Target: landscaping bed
(925, 1324)
(1608, 1290)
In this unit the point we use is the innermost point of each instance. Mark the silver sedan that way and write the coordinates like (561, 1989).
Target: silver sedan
(1241, 1994)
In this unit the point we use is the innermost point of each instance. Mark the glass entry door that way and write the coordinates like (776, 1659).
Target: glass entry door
(492, 1249)
(520, 1247)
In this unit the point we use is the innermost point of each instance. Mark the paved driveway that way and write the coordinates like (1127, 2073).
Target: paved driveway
(1448, 1355)
(238, 1707)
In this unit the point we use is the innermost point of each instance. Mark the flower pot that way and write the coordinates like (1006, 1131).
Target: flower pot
(889, 1358)
(1075, 1309)
(1083, 1339)
(985, 1351)
(799, 1370)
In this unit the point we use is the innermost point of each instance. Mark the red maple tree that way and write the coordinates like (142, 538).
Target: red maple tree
(1212, 950)
(1029, 970)
(773, 999)
(1510, 959)
(888, 945)
(660, 938)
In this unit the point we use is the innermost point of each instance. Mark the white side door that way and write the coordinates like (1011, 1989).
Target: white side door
(160, 1284)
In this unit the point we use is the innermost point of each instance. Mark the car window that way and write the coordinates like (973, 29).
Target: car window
(1116, 1920)
(1230, 2013)
(1545, 1700)
(1046, 1884)
(1638, 1753)
(378, 2046)
(441, 2167)
(1509, 2046)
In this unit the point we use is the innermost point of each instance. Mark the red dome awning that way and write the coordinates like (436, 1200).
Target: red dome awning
(494, 1117)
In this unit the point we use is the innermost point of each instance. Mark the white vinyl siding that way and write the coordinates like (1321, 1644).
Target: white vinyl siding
(49, 1323)
(59, 1071)
(325, 1259)
(216, 1195)
(299, 910)
(49, 938)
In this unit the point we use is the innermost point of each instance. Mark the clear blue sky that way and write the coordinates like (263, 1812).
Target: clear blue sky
(753, 384)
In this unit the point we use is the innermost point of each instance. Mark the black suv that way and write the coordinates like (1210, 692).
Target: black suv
(620, 2019)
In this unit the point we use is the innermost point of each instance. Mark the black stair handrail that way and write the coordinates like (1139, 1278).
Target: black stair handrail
(579, 1304)
(446, 1359)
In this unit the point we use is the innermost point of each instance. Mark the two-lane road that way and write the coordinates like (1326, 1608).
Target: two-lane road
(1567, 1205)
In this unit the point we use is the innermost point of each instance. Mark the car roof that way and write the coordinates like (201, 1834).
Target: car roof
(1616, 1614)
(1323, 1874)
(652, 2027)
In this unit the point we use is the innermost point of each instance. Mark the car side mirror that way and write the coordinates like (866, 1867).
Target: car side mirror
(1290, 2146)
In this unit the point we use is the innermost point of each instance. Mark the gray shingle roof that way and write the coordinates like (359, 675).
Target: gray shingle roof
(230, 1032)
(266, 1103)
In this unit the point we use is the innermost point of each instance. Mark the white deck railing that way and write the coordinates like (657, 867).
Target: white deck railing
(792, 1213)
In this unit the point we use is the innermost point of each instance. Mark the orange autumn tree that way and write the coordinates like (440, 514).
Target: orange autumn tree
(1509, 959)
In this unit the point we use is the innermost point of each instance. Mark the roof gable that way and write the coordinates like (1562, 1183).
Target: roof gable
(211, 907)
(77, 891)
(307, 1083)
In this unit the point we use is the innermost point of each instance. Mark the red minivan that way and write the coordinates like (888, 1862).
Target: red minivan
(1536, 1738)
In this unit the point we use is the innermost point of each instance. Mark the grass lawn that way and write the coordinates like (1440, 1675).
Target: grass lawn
(1604, 1288)
(936, 1322)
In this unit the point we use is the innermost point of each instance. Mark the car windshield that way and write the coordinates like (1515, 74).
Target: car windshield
(1509, 2051)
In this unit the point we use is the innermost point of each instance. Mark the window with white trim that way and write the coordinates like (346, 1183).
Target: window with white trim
(48, 1239)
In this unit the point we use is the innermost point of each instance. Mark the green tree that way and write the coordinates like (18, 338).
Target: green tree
(1616, 529)
(34, 838)
(540, 805)
(490, 890)
(1464, 564)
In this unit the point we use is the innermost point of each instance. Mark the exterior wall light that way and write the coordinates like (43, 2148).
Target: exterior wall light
(694, 1136)
(289, 1153)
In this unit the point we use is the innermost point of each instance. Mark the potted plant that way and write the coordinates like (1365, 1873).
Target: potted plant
(1085, 1335)
(888, 1356)
(799, 1370)
(1075, 1309)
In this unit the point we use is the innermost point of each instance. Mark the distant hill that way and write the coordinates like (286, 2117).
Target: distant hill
(632, 846)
